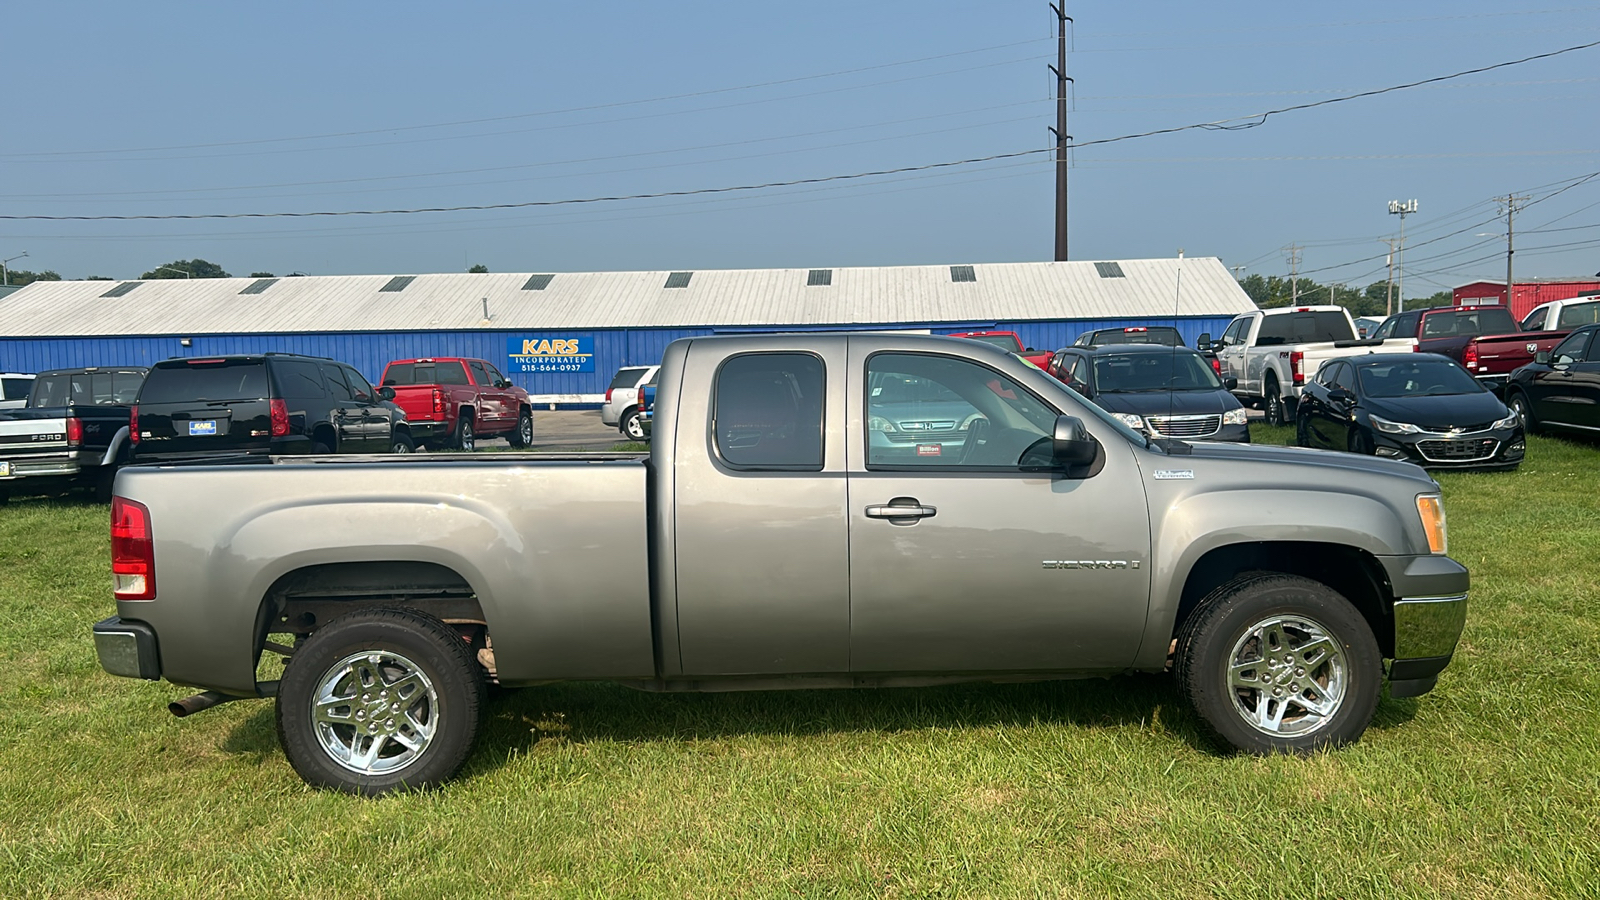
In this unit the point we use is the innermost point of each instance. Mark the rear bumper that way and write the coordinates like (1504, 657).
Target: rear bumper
(127, 648)
(54, 465)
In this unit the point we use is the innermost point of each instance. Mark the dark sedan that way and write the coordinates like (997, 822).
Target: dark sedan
(1161, 391)
(1561, 389)
(1418, 407)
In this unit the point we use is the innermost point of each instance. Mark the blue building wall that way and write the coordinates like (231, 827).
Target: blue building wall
(370, 351)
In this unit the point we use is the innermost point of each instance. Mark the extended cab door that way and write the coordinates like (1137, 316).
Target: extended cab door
(492, 399)
(961, 558)
(761, 550)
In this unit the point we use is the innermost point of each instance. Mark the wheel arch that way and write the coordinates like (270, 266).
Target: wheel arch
(1353, 572)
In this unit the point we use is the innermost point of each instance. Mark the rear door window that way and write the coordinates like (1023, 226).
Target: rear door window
(1579, 314)
(768, 411)
(298, 379)
(480, 374)
(222, 379)
(336, 383)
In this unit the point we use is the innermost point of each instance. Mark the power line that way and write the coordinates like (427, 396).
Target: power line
(1221, 125)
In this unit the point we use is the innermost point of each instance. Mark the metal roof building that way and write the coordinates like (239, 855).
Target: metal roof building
(605, 319)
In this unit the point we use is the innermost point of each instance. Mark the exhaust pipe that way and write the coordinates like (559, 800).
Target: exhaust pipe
(188, 706)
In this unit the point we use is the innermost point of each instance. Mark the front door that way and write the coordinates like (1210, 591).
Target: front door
(491, 399)
(964, 560)
(1555, 390)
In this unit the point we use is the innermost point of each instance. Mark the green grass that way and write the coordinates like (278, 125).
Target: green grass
(1486, 787)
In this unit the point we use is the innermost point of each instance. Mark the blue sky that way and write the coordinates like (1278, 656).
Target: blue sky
(169, 108)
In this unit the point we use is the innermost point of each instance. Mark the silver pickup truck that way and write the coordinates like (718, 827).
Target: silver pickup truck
(816, 511)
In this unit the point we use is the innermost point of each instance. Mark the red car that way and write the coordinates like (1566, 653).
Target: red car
(451, 401)
(1010, 342)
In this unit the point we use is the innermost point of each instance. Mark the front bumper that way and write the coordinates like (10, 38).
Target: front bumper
(1430, 611)
(127, 648)
(1492, 449)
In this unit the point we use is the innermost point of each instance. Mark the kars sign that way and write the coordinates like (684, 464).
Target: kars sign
(550, 354)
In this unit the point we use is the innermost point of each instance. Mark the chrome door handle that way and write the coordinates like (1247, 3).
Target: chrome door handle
(891, 511)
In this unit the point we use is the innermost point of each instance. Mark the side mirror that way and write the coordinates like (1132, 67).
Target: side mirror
(1029, 350)
(386, 393)
(1204, 343)
(502, 384)
(1542, 357)
(1230, 383)
(1340, 395)
(1071, 444)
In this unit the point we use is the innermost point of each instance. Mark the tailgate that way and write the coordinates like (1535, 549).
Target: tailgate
(28, 431)
(417, 401)
(1500, 354)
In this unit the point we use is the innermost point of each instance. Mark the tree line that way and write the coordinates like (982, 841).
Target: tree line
(1272, 290)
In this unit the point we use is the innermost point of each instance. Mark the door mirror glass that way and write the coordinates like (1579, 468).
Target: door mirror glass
(1542, 357)
(1071, 444)
(1340, 395)
(386, 393)
(1230, 383)
(1204, 343)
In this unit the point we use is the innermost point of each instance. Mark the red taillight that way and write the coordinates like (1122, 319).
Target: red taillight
(1216, 365)
(74, 432)
(1469, 356)
(1297, 366)
(133, 551)
(608, 394)
(280, 418)
(438, 400)
(133, 425)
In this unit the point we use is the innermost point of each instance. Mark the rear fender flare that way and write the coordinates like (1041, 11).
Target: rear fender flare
(117, 441)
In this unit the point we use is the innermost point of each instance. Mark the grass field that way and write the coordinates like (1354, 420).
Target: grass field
(1487, 787)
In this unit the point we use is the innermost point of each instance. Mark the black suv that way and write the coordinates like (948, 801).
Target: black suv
(272, 403)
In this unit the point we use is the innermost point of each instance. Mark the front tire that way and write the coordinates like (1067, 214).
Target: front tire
(401, 443)
(523, 435)
(1518, 402)
(380, 700)
(1280, 664)
(1302, 430)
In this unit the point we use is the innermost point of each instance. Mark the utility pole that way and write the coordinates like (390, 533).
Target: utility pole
(1060, 131)
(1511, 201)
(1294, 272)
(1388, 289)
(1401, 208)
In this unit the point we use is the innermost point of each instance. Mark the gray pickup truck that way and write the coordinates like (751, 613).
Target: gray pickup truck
(864, 510)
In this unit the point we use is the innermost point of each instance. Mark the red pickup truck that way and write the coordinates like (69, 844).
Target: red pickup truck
(1484, 339)
(451, 401)
(1009, 341)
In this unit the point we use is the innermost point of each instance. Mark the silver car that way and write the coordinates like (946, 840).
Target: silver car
(621, 409)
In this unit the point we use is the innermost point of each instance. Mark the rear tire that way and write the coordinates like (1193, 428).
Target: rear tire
(1274, 406)
(1279, 664)
(464, 439)
(380, 700)
(631, 427)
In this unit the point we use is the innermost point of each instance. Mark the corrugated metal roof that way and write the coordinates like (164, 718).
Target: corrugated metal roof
(1040, 291)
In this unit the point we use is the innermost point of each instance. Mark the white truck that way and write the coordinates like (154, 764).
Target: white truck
(1272, 352)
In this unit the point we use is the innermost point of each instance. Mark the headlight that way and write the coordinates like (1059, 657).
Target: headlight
(1431, 508)
(879, 423)
(1238, 416)
(1510, 421)
(1393, 427)
(1130, 420)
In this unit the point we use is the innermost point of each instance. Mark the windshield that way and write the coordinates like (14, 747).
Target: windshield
(1416, 378)
(1133, 372)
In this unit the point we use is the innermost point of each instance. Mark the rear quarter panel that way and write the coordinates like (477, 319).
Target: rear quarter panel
(535, 540)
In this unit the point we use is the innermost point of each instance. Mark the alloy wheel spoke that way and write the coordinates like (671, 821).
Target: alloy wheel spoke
(1321, 707)
(1237, 677)
(1315, 653)
(365, 759)
(1269, 712)
(326, 710)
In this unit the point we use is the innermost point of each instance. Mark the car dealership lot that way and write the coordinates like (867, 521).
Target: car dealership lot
(1095, 787)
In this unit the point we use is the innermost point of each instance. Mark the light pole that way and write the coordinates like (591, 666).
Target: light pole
(1401, 208)
(186, 274)
(5, 274)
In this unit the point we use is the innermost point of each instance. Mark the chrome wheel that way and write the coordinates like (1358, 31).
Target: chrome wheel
(525, 430)
(1287, 676)
(375, 712)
